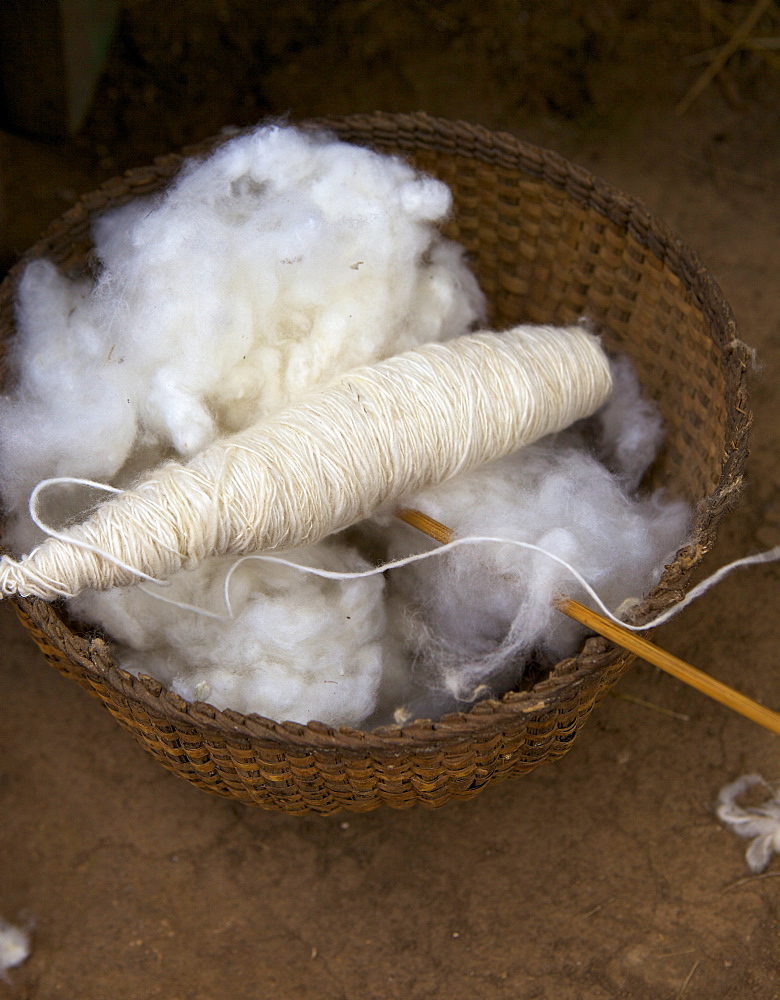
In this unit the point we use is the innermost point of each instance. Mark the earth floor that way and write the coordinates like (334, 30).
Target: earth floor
(603, 875)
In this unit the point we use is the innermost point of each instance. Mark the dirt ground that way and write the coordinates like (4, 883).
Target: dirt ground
(604, 875)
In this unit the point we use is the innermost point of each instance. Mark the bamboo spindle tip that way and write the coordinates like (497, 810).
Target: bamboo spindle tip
(630, 641)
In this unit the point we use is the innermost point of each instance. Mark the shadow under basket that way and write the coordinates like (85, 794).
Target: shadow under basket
(549, 243)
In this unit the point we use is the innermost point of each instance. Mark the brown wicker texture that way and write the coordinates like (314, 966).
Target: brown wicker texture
(549, 243)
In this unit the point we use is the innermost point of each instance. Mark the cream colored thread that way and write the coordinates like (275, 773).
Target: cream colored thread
(64, 537)
(328, 574)
(769, 556)
(376, 434)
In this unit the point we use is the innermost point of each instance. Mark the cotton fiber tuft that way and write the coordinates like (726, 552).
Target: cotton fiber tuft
(475, 616)
(281, 259)
(298, 647)
(15, 947)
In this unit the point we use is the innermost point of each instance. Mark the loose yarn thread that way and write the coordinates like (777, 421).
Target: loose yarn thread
(375, 434)
(761, 823)
(770, 555)
(767, 556)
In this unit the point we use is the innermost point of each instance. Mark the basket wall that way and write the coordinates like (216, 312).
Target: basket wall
(549, 243)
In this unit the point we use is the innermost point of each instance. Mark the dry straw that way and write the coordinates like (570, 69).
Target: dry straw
(549, 243)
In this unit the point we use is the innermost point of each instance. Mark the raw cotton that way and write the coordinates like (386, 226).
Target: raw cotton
(263, 271)
(280, 260)
(627, 432)
(759, 823)
(15, 947)
(298, 647)
(476, 616)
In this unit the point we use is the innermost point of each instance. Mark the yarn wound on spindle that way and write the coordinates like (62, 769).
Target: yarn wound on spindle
(376, 434)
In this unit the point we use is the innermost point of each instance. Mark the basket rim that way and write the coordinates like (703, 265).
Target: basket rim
(595, 655)
(487, 718)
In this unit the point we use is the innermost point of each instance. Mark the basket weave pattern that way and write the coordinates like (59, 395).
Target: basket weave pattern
(548, 243)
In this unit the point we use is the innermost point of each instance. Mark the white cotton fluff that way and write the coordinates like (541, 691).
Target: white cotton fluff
(279, 260)
(759, 823)
(474, 617)
(299, 647)
(15, 947)
(628, 429)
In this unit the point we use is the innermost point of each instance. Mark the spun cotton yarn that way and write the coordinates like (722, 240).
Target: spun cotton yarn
(435, 635)
(374, 434)
(280, 259)
(440, 633)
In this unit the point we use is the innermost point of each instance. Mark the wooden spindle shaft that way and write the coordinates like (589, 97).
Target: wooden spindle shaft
(671, 664)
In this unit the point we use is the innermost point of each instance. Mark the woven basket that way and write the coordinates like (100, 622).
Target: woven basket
(549, 243)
